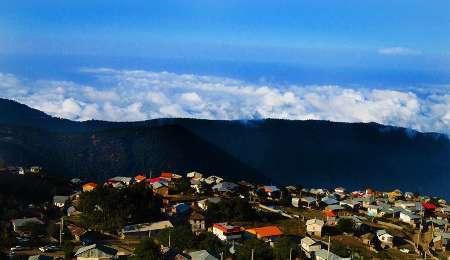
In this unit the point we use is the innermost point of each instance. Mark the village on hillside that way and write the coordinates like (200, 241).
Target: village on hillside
(201, 216)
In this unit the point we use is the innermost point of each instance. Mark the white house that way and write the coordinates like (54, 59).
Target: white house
(323, 254)
(309, 246)
(385, 238)
(409, 218)
(226, 232)
(314, 227)
(60, 201)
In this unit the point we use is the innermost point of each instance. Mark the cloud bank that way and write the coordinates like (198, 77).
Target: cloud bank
(399, 51)
(129, 95)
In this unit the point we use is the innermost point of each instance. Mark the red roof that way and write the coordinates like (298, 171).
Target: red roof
(166, 175)
(153, 180)
(330, 213)
(226, 228)
(428, 205)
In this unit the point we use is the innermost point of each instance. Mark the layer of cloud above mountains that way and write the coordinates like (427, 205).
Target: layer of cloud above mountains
(130, 95)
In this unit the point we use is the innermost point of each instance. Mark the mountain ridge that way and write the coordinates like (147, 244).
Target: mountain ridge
(313, 153)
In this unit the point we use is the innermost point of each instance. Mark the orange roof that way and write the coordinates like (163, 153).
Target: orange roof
(140, 178)
(330, 213)
(90, 184)
(268, 231)
(166, 174)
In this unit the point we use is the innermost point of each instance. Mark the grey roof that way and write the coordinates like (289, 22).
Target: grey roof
(329, 201)
(40, 257)
(60, 199)
(324, 253)
(201, 255)
(225, 186)
(103, 248)
(308, 199)
(308, 241)
(144, 227)
(22, 221)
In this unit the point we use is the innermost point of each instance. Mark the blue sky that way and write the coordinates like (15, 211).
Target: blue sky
(356, 45)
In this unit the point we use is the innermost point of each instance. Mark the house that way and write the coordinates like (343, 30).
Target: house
(72, 211)
(395, 194)
(409, 218)
(314, 227)
(409, 195)
(340, 190)
(441, 241)
(40, 257)
(96, 252)
(76, 231)
(267, 233)
(194, 175)
(180, 208)
(307, 200)
(198, 223)
(368, 239)
(120, 179)
(372, 210)
(335, 208)
(351, 204)
(329, 201)
(160, 189)
(35, 169)
(272, 191)
(202, 255)
(225, 187)
(90, 186)
(318, 191)
(139, 178)
(428, 208)
(203, 204)
(144, 229)
(385, 238)
(213, 180)
(60, 201)
(310, 246)
(323, 254)
(168, 176)
(17, 224)
(226, 232)
(331, 217)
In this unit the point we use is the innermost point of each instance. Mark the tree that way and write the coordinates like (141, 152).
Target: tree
(107, 208)
(35, 229)
(147, 250)
(210, 242)
(68, 249)
(345, 225)
(260, 250)
(181, 237)
(283, 247)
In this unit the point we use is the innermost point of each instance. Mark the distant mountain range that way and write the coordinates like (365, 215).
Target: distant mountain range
(310, 153)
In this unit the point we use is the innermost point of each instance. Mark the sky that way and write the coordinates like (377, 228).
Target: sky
(354, 61)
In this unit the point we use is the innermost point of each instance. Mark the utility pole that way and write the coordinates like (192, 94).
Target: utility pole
(329, 245)
(169, 238)
(290, 253)
(61, 228)
(253, 253)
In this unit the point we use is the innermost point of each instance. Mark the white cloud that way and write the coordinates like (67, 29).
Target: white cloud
(399, 51)
(139, 95)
